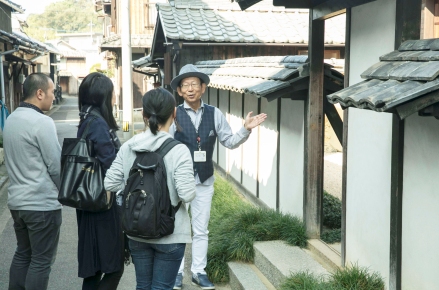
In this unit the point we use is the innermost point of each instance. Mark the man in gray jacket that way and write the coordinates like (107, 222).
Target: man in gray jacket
(32, 157)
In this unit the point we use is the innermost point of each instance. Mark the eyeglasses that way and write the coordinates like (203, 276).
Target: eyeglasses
(195, 86)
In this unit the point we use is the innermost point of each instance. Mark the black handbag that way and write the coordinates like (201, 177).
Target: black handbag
(82, 176)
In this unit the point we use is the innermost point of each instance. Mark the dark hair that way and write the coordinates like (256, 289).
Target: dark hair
(158, 106)
(97, 90)
(33, 83)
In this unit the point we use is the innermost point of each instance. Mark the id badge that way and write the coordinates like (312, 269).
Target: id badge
(200, 156)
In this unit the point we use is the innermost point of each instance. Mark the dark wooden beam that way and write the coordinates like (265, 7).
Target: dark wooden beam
(396, 191)
(293, 3)
(300, 84)
(333, 8)
(334, 119)
(345, 138)
(314, 135)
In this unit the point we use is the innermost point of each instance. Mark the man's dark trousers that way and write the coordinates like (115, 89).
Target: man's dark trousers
(37, 235)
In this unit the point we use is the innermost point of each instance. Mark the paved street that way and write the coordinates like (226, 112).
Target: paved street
(64, 271)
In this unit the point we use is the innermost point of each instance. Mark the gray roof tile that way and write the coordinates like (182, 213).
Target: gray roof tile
(253, 75)
(272, 25)
(401, 76)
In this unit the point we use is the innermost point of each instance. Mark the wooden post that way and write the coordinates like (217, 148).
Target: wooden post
(314, 135)
(345, 138)
(396, 191)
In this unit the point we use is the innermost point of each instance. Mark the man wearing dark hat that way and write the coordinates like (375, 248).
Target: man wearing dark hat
(200, 125)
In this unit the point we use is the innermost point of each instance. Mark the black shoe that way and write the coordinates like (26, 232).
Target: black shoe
(178, 282)
(202, 281)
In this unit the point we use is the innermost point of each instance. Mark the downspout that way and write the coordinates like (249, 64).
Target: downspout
(2, 77)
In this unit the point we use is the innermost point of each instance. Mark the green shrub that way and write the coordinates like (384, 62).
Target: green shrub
(331, 211)
(357, 278)
(235, 225)
(331, 236)
(350, 278)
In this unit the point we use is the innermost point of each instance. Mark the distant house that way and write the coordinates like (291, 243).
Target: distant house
(143, 18)
(89, 43)
(72, 66)
(22, 55)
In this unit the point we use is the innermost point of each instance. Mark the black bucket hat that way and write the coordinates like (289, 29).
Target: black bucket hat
(188, 71)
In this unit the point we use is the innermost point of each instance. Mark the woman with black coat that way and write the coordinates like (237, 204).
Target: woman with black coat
(100, 237)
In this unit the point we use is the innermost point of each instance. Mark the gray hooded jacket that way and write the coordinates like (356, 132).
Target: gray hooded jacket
(180, 178)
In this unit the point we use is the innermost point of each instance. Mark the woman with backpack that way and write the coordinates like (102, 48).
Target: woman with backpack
(100, 236)
(157, 260)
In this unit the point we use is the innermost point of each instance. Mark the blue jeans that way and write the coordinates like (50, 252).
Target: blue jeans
(156, 264)
(37, 235)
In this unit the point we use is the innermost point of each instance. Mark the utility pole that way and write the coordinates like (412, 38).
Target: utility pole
(127, 83)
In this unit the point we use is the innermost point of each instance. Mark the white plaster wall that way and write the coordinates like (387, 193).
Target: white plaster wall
(234, 158)
(372, 35)
(291, 152)
(250, 149)
(368, 190)
(268, 154)
(224, 107)
(369, 145)
(213, 101)
(420, 220)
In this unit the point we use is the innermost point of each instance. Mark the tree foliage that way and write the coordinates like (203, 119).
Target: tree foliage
(66, 16)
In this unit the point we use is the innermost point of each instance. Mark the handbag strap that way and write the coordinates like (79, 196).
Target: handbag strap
(94, 116)
(84, 134)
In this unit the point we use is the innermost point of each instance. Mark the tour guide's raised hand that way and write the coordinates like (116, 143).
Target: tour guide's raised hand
(252, 122)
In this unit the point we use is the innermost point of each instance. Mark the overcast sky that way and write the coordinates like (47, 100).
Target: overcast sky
(34, 6)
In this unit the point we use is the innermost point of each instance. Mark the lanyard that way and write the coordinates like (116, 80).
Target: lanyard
(195, 127)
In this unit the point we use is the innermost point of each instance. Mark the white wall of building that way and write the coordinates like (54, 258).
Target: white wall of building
(213, 100)
(372, 35)
(223, 105)
(234, 157)
(250, 149)
(268, 133)
(369, 145)
(291, 150)
(368, 190)
(420, 220)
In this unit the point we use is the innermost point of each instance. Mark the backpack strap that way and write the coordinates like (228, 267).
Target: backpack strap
(162, 151)
(167, 146)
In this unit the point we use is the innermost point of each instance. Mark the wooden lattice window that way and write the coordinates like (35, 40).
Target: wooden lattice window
(150, 14)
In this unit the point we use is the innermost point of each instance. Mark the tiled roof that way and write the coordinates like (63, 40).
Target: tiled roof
(198, 21)
(14, 6)
(137, 40)
(141, 62)
(401, 76)
(259, 76)
(73, 53)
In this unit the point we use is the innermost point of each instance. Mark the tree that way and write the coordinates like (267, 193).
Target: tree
(67, 16)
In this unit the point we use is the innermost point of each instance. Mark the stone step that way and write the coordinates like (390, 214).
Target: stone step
(277, 260)
(245, 276)
(325, 255)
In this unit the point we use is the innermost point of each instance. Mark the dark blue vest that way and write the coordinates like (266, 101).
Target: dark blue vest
(188, 136)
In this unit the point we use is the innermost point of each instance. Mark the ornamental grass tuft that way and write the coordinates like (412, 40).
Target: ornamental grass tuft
(350, 278)
(235, 225)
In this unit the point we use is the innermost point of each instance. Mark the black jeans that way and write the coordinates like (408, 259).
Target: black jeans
(37, 235)
(109, 281)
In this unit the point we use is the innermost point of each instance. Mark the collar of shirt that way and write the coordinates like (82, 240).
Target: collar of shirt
(28, 105)
(187, 107)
